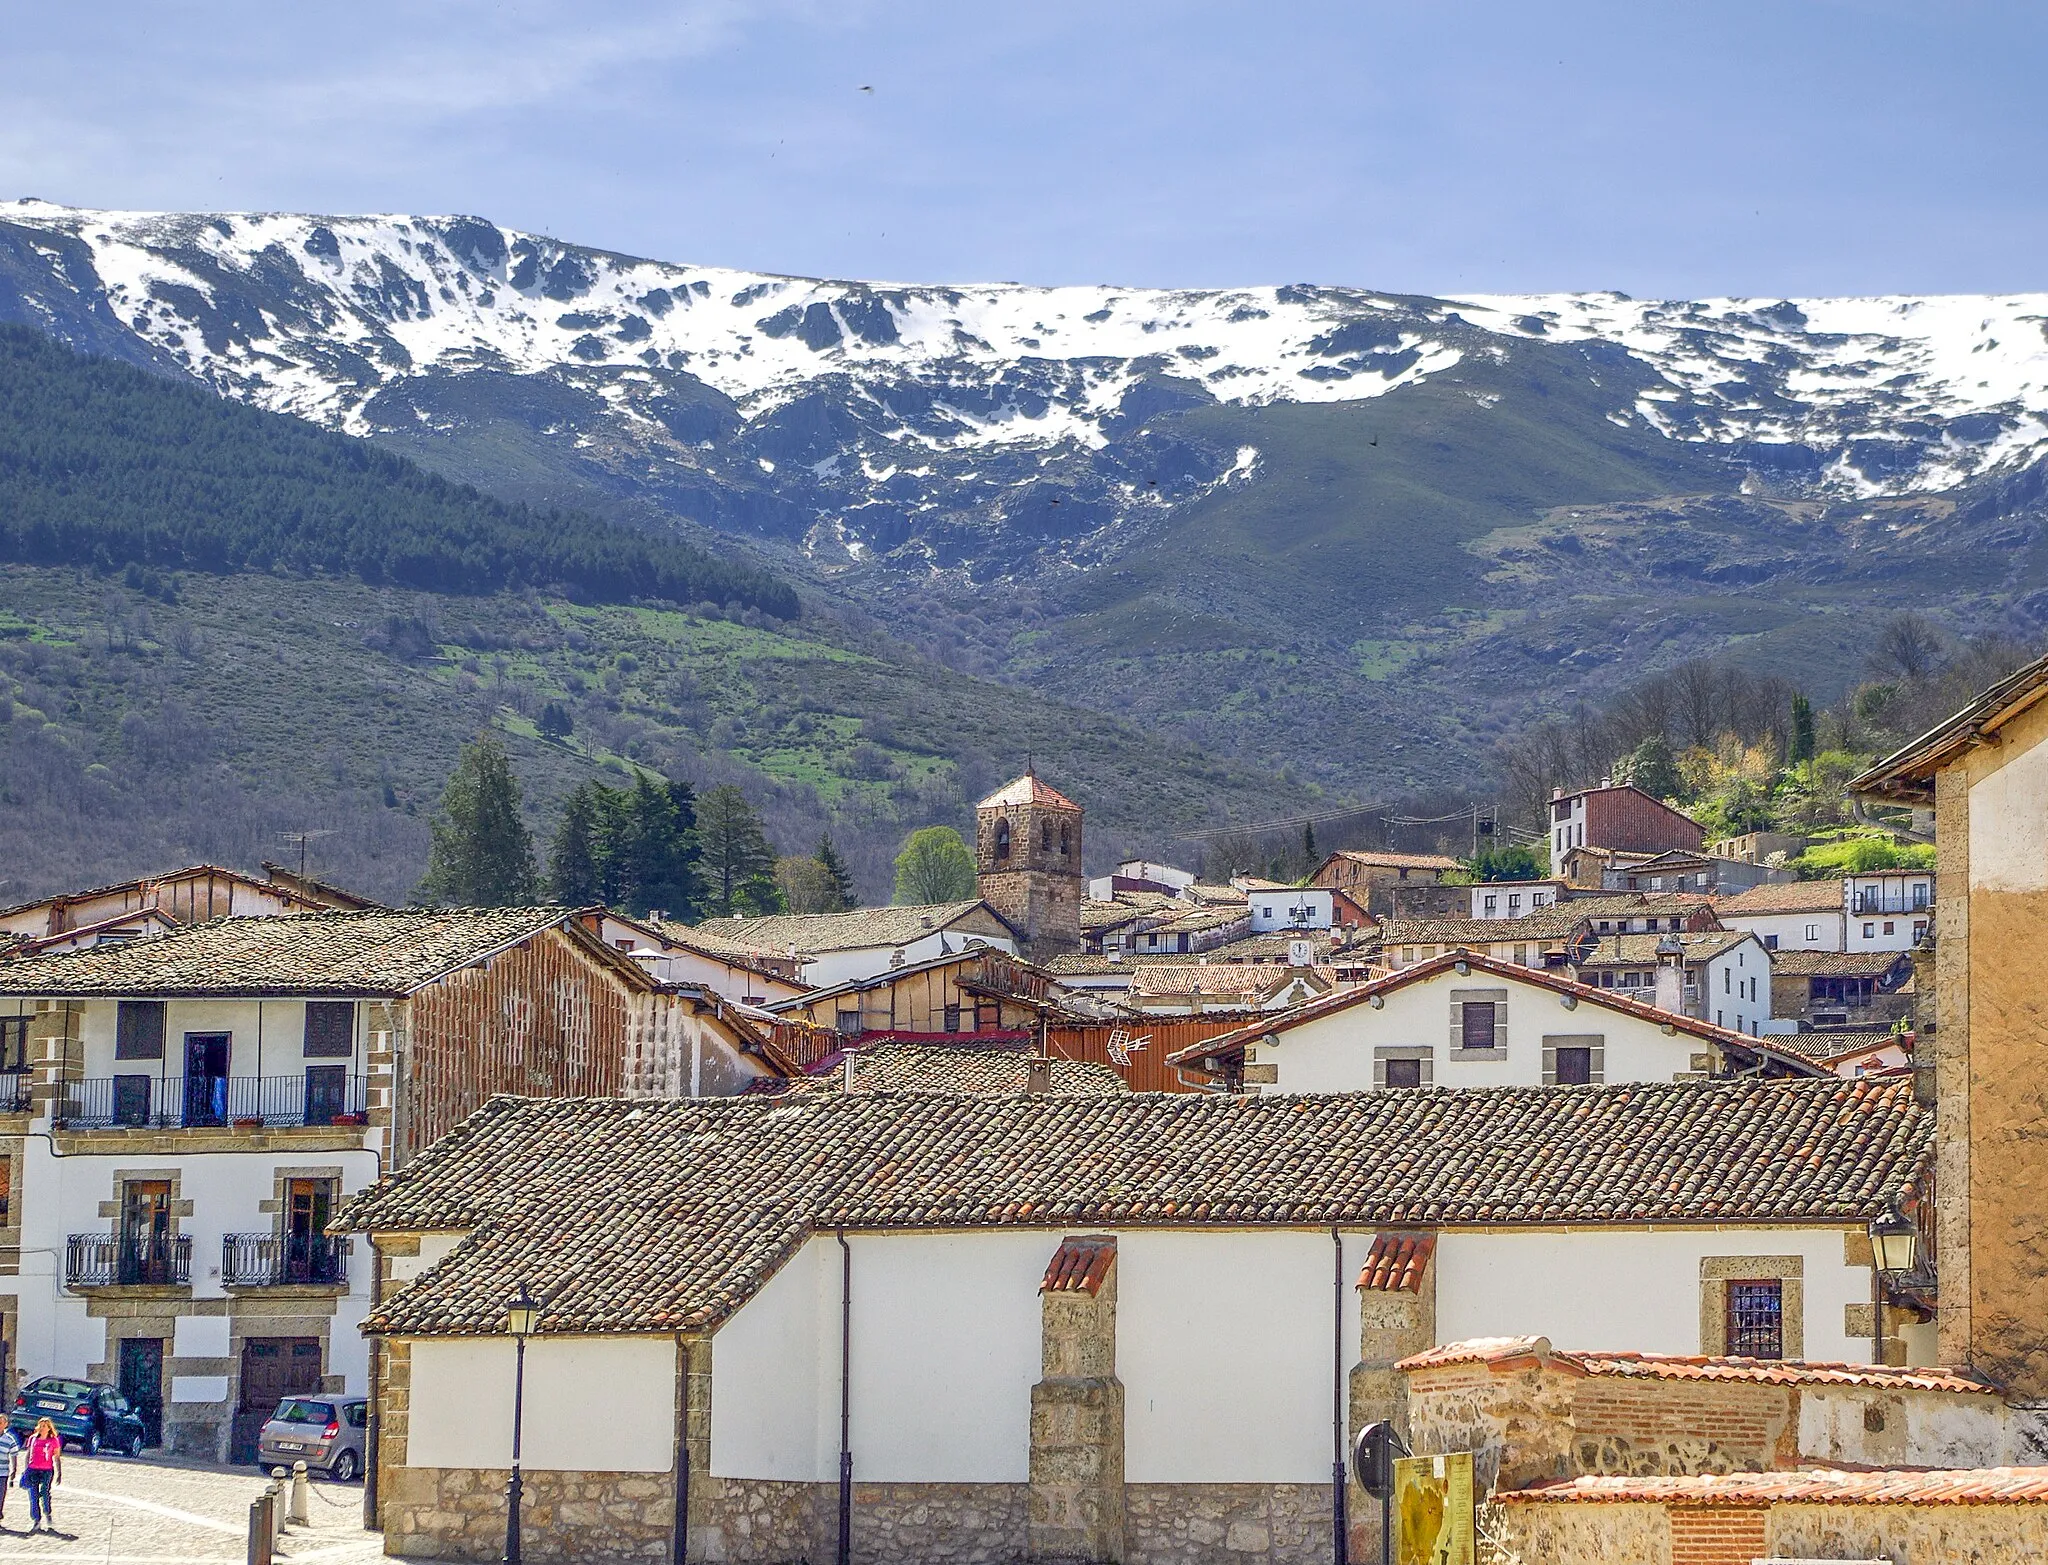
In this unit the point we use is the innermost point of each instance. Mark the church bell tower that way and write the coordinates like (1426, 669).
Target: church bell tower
(1028, 860)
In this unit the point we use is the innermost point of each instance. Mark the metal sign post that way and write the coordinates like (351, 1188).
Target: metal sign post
(1372, 1460)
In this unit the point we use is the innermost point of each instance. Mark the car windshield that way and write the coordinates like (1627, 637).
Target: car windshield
(70, 1390)
(296, 1410)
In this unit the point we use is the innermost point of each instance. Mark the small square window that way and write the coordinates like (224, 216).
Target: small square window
(1887, 926)
(1770, 942)
(952, 1018)
(1575, 1067)
(1404, 1073)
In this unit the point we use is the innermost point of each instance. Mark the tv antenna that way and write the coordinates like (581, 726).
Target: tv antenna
(302, 838)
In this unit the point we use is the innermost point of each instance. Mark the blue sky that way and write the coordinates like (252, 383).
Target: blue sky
(1796, 147)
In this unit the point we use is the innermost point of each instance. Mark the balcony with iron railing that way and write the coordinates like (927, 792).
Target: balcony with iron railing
(14, 1091)
(284, 1261)
(318, 1097)
(1896, 903)
(127, 1260)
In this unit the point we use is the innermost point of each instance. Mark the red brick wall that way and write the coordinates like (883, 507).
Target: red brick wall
(1624, 818)
(1663, 1426)
(1717, 1534)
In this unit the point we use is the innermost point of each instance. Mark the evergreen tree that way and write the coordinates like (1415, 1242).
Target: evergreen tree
(657, 845)
(934, 866)
(577, 857)
(1802, 730)
(1309, 857)
(1652, 768)
(482, 853)
(844, 894)
(739, 865)
(554, 722)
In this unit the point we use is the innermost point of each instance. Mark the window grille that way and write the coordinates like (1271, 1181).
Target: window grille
(1756, 1319)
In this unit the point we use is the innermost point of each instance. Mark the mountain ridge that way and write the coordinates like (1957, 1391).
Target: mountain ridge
(1283, 522)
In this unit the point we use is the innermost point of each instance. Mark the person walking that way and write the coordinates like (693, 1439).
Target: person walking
(45, 1467)
(10, 1462)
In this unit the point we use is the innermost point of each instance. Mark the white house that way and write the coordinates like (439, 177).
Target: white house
(181, 1118)
(1291, 907)
(1726, 974)
(1468, 1020)
(833, 948)
(1888, 910)
(1124, 1326)
(1140, 875)
(1799, 915)
(1513, 898)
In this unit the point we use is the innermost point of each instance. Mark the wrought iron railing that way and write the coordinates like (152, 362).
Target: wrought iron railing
(283, 1260)
(127, 1260)
(1896, 903)
(320, 1096)
(14, 1091)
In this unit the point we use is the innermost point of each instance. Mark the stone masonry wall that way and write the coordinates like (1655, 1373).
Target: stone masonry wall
(1620, 1534)
(1227, 1524)
(1914, 1534)
(458, 1513)
(1077, 1422)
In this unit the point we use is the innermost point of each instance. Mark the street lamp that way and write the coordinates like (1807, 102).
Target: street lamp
(522, 1317)
(1893, 1241)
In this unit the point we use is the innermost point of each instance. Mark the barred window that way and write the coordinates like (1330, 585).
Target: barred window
(1756, 1319)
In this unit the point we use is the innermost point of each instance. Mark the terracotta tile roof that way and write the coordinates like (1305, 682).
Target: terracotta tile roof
(1220, 980)
(1550, 923)
(351, 953)
(1374, 859)
(1641, 950)
(1211, 895)
(1638, 904)
(1027, 789)
(1502, 1352)
(955, 1067)
(1080, 1265)
(1814, 1486)
(1836, 964)
(1396, 1262)
(1273, 947)
(857, 930)
(1201, 919)
(1799, 896)
(1126, 906)
(655, 1215)
(1479, 962)
(167, 878)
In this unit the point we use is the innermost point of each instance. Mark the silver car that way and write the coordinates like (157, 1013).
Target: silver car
(324, 1432)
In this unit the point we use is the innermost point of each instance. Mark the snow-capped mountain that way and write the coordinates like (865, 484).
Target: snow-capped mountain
(878, 419)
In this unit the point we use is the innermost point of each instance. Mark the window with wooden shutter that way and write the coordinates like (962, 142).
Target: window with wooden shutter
(330, 1029)
(139, 1030)
(1479, 1023)
(1574, 1059)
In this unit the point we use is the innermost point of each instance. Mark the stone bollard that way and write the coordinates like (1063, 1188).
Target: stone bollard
(276, 1494)
(261, 1530)
(300, 1514)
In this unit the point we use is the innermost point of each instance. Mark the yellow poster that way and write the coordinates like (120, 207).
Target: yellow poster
(1433, 1510)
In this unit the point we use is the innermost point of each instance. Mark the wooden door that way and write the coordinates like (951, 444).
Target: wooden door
(273, 1368)
(309, 1204)
(145, 1247)
(142, 1383)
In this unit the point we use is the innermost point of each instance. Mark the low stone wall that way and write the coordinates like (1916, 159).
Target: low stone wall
(762, 1521)
(1584, 1534)
(1912, 1534)
(1226, 1524)
(458, 1513)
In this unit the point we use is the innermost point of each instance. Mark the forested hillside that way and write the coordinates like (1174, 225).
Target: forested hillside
(240, 648)
(108, 466)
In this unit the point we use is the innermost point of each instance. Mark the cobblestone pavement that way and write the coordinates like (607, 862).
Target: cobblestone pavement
(113, 1511)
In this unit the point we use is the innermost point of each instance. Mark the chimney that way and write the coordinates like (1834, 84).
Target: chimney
(1671, 975)
(1038, 1075)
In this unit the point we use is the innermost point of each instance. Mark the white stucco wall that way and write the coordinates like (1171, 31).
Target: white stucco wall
(1335, 1053)
(1795, 931)
(58, 1197)
(1302, 907)
(1594, 1290)
(2008, 824)
(267, 1037)
(838, 967)
(945, 1352)
(596, 1404)
(1736, 991)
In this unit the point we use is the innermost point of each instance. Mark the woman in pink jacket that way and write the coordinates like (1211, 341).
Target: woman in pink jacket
(45, 1467)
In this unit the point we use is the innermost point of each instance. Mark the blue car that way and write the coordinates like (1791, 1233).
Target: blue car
(90, 1416)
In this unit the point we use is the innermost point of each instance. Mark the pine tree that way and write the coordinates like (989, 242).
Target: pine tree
(1309, 857)
(576, 859)
(844, 894)
(658, 843)
(1802, 730)
(482, 853)
(934, 866)
(739, 865)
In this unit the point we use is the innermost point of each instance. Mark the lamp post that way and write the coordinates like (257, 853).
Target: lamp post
(1893, 1242)
(522, 1316)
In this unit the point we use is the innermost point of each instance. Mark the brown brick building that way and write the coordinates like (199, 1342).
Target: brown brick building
(1624, 818)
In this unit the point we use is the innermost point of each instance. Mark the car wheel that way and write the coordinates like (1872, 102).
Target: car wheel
(90, 1445)
(135, 1445)
(344, 1468)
